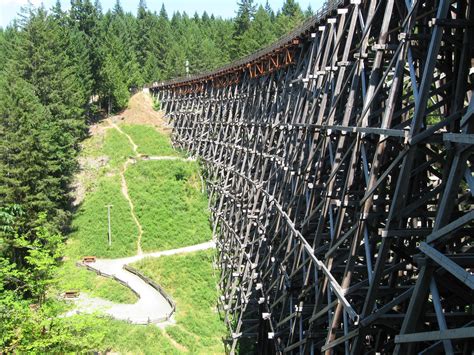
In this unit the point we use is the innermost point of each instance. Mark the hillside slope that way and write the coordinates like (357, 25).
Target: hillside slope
(157, 204)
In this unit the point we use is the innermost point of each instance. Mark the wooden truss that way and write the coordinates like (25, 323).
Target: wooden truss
(341, 181)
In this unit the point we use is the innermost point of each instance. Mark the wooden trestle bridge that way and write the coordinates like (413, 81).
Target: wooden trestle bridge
(339, 164)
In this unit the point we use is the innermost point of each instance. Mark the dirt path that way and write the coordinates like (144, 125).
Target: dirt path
(124, 186)
(134, 146)
(152, 307)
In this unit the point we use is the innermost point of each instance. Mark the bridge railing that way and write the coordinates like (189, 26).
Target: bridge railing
(328, 7)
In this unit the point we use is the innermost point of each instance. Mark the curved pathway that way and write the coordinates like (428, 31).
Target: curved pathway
(152, 307)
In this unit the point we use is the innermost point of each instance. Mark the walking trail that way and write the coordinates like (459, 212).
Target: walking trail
(152, 307)
(124, 187)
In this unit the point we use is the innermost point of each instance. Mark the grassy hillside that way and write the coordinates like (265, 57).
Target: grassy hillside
(90, 227)
(173, 213)
(169, 203)
(191, 282)
(104, 155)
(150, 141)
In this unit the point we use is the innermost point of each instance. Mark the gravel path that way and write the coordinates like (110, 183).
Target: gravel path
(151, 307)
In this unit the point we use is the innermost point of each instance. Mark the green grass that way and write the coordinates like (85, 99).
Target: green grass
(150, 141)
(90, 226)
(132, 339)
(117, 147)
(190, 281)
(72, 278)
(169, 204)
(101, 334)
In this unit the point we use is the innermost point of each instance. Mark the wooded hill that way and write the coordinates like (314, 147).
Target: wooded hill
(58, 71)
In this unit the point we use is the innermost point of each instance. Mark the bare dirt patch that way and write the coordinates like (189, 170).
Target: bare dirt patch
(140, 111)
(88, 171)
(98, 129)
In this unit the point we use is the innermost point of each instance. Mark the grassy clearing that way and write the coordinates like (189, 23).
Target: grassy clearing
(150, 141)
(169, 204)
(111, 336)
(190, 280)
(117, 147)
(90, 227)
(70, 278)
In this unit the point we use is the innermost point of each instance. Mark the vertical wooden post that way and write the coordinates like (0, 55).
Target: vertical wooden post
(109, 223)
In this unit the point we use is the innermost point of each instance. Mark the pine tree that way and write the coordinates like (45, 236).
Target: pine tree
(86, 18)
(289, 18)
(152, 42)
(291, 8)
(51, 116)
(28, 136)
(270, 11)
(205, 18)
(260, 33)
(245, 14)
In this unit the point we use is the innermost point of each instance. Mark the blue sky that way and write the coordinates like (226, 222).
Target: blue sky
(224, 8)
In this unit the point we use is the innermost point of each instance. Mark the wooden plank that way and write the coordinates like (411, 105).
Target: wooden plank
(448, 334)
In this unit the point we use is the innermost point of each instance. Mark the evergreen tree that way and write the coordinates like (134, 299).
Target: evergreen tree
(291, 9)
(152, 42)
(270, 11)
(51, 116)
(289, 18)
(260, 33)
(118, 9)
(245, 14)
(25, 143)
(86, 18)
(205, 18)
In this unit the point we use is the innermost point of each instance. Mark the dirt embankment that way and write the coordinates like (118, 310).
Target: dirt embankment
(140, 111)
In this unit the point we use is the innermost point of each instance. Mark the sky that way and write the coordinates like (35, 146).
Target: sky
(225, 8)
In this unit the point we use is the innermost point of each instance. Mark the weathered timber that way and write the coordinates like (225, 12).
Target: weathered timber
(339, 166)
